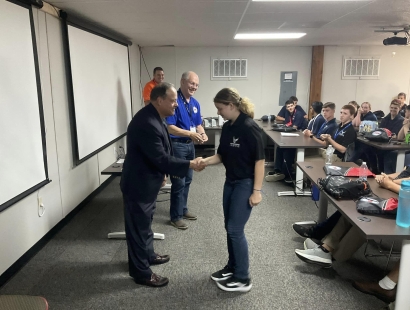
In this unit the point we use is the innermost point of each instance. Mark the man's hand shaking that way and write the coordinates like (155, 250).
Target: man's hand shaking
(198, 164)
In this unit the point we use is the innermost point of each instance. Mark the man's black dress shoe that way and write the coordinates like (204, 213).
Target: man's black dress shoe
(160, 259)
(154, 281)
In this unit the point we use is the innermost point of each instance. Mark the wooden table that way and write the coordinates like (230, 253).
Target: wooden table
(401, 149)
(300, 143)
(377, 228)
(116, 170)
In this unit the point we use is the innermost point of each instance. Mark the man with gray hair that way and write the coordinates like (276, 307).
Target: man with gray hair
(149, 159)
(185, 128)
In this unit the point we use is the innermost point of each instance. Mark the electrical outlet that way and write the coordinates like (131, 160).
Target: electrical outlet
(40, 202)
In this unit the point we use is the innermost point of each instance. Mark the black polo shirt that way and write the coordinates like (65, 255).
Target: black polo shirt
(344, 135)
(240, 146)
(394, 125)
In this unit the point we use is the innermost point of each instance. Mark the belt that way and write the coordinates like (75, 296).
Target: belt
(181, 140)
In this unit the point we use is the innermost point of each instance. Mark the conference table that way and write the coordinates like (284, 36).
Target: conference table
(300, 143)
(115, 169)
(373, 227)
(217, 134)
(401, 149)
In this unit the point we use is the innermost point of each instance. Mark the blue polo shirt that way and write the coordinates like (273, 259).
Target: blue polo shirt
(394, 125)
(283, 112)
(315, 123)
(327, 128)
(369, 116)
(187, 114)
(296, 119)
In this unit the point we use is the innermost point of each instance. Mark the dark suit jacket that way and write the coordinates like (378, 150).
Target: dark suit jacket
(149, 157)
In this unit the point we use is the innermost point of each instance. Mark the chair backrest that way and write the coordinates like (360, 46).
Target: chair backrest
(349, 152)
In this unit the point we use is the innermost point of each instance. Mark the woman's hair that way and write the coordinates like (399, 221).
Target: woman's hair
(368, 103)
(354, 103)
(231, 95)
(401, 94)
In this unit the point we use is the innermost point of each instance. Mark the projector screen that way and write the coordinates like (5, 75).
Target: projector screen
(101, 94)
(23, 161)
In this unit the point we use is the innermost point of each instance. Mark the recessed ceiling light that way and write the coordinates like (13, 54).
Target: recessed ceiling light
(309, 0)
(264, 36)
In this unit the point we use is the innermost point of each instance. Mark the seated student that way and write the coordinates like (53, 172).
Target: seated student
(406, 123)
(393, 121)
(344, 239)
(282, 113)
(364, 113)
(385, 289)
(284, 157)
(355, 105)
(402, 98)
(345, 133)
(317, 121)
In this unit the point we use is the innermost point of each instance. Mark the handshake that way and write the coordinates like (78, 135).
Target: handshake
(198, 164)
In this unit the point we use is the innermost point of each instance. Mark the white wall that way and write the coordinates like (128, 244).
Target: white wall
(20, 225)
(264, 67)
(394, 76)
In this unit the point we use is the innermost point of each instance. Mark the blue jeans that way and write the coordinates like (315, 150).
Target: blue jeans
(180, 186)
(236, 212)
(324, 228)
(284, 159)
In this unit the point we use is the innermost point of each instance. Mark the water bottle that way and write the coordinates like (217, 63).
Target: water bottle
(361, 127)
(363, 172)
(269, 118)
(403, 209)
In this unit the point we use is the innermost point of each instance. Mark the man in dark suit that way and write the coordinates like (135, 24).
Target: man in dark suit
(149, 159)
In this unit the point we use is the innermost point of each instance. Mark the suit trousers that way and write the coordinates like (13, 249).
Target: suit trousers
(138, 220)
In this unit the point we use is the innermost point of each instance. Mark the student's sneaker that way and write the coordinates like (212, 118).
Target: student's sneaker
(223, 274)
(274, 177)
(310, 244)
(315, 256)
(303, 231)
(234, 284)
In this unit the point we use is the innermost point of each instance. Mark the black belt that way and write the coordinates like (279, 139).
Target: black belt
(181, 140)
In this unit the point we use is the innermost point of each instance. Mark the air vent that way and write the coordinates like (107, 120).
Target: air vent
(229, 68)
(359, 67)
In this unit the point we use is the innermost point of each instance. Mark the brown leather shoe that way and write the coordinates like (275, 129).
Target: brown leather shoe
(373, 288)
(160, 259)
(190, 216)
(179, 224)
(154, 281)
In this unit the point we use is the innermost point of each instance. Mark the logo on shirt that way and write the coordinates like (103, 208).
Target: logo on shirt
(342, 133)
(234, 144)
(195, 110)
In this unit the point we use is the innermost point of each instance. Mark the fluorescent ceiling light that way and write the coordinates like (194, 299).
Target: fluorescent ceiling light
(308, 0)
(264, 36)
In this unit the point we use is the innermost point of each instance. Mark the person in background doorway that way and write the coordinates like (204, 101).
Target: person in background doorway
(158, 78)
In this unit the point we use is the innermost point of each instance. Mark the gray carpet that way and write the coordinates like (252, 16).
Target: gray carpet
(81, 269)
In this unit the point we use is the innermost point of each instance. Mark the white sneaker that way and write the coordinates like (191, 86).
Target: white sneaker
(315, 256)
(274, 177)
(310, 244)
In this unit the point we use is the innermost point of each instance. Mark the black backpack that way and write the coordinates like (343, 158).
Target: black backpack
(340, 187)
(379, 135)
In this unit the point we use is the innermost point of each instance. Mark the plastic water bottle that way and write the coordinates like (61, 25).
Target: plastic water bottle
(403, 209)
(363, 172)
(269, 118)
(361, 127)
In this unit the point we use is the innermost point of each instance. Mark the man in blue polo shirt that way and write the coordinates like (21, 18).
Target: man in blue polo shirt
(283, 111)
(185, 128)
(317, 121)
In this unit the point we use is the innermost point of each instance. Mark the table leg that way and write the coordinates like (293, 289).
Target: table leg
(323, 203)
(403, 296)
(300, 156)
(217, 138)
(401, 154)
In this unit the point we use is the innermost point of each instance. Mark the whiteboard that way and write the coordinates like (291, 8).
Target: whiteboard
(23, 167)
(101, 90)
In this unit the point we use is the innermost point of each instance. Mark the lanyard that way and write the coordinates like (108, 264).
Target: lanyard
(338, 131)
(322, 127)
(186, 104)
(312, 121)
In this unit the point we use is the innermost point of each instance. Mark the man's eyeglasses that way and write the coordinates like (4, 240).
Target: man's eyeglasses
(192, 84)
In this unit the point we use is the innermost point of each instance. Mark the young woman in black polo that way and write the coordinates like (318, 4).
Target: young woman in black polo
(241, 151)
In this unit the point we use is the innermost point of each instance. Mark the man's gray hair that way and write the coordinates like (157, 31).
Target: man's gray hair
(185, 75)
(160, 90)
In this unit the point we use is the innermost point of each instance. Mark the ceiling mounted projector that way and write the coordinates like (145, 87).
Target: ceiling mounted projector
(395, 41)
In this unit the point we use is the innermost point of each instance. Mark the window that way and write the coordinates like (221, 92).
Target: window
(229, 68)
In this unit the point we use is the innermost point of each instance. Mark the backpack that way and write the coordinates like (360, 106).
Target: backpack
(379, 135)
(340, 187)
(374, 205)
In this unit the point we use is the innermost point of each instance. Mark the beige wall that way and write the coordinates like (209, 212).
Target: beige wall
(20, 225)
(264, 67)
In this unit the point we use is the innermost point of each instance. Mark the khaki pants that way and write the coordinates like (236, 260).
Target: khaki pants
(335, 159)
(345, 239)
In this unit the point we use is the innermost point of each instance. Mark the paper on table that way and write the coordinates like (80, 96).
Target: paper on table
(288, 134)
(120, 161)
